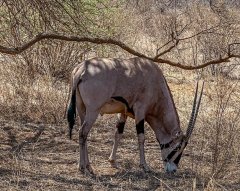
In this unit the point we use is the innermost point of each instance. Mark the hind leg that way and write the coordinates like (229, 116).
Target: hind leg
(90, 118)
(81, 109)
(118, 135)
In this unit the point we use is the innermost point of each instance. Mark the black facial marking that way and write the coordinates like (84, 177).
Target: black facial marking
(121, 99)
(170, 156)
(140, 127)
(166, 145)
(120, 127)
(173, 153)
(177, 160)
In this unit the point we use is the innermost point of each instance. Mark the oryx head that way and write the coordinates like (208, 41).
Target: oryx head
(172, 151)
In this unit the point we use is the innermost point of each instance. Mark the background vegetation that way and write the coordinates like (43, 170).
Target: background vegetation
(36, 153)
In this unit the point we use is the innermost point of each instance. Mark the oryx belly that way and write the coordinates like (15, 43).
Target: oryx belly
(112, 107)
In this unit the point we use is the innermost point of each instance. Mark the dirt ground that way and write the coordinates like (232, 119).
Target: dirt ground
(41, 157)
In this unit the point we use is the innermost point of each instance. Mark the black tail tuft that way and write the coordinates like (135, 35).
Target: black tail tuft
(71, 114)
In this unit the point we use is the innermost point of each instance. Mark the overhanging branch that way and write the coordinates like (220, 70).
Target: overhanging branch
(41, 36)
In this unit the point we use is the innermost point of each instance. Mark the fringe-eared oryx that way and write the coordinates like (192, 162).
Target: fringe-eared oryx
(133, 88)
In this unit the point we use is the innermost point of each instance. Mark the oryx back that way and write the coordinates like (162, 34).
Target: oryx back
(114, 85)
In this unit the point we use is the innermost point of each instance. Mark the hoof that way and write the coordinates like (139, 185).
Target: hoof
(87, 171)
(144, 167)
(113, 163)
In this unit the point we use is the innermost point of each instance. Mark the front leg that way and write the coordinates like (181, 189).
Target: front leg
(141, 141)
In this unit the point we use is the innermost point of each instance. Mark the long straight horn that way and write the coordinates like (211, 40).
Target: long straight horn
(191, 120)
(194, 113)
(198, 105)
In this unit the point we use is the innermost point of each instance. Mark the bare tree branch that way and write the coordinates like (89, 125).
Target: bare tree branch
(177, 39)
(41, 36)
(167, 50)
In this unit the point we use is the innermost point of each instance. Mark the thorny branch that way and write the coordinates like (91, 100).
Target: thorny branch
(41, 36)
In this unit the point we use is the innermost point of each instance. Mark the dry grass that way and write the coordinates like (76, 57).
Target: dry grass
(39, 156)
(35, 152)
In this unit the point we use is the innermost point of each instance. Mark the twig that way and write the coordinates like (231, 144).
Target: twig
(164, 183)
(221, 186)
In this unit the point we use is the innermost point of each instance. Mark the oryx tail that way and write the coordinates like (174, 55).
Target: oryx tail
(71, 111)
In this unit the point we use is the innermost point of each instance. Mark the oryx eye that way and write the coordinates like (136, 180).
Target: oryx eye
(178, 134)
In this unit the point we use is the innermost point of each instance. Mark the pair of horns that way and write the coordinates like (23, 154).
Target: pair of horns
(195, 108)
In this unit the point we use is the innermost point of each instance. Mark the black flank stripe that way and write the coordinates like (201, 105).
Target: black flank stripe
(121, 99)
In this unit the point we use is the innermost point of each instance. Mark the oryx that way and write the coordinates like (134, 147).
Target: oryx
(133, 88)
